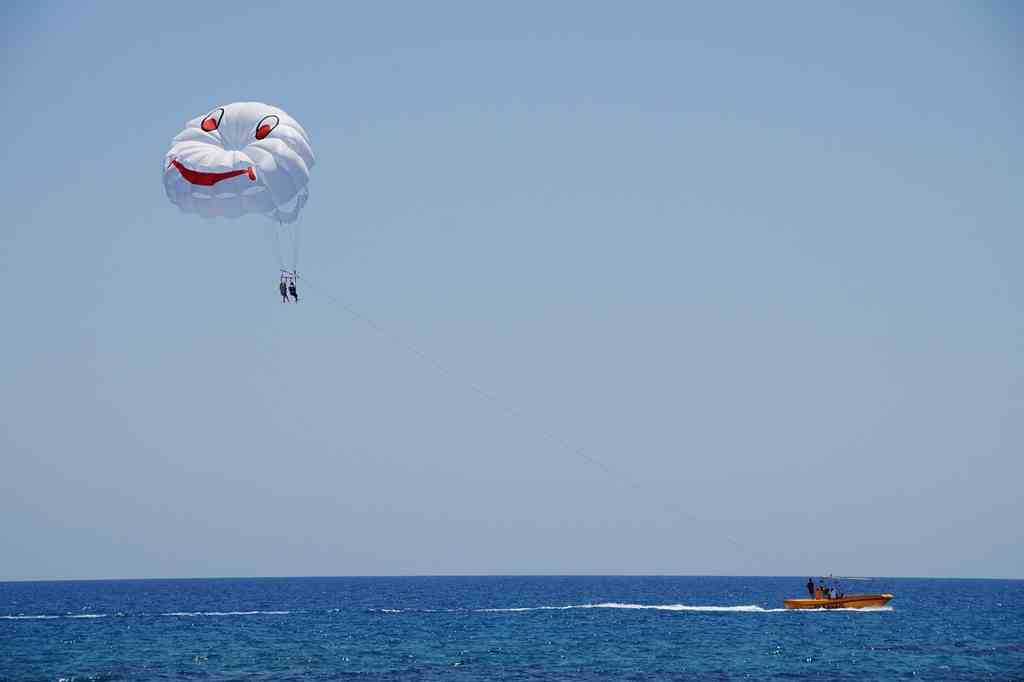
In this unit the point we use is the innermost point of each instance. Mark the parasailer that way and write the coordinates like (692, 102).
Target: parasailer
(244, 158)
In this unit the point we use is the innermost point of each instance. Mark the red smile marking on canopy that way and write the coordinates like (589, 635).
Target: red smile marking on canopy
(209, 179)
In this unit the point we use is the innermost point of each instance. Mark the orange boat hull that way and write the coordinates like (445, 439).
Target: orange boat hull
(850, 601)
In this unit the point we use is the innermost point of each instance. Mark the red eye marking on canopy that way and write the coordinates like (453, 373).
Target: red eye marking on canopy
(210, 179)
(266, 126)
(212, 121)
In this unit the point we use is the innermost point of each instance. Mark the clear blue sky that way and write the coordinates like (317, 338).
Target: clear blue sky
(765, 261)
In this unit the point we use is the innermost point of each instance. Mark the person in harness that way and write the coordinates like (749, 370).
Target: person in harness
(292, 291)
(283, 288)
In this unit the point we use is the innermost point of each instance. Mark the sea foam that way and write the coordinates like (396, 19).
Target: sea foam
(193, 614)
(741, 608)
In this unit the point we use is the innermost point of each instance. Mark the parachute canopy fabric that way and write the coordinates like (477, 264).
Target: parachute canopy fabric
(239, 159)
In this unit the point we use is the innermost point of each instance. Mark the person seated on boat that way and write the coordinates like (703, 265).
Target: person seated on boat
(817, 591)
(810, 588)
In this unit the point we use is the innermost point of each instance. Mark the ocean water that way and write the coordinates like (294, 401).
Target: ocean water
(513, 628)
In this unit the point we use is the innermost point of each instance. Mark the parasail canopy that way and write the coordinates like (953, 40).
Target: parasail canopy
(239, 159)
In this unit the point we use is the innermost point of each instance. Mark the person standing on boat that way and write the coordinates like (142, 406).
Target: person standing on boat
(810, 588)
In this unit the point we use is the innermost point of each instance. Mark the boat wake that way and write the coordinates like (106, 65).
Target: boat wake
(180, 614)
(52, 617)
(742, 608)
(709, 608)
(193, 614)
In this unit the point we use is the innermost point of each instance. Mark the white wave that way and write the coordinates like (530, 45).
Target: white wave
(741, 608)
(415, 610)
(27, 617)
(710, 608)
(88, 615)
(192, 614)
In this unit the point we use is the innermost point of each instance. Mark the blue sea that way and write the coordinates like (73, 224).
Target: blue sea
(510, 628)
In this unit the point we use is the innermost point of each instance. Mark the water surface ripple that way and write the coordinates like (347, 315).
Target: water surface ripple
(514, 628)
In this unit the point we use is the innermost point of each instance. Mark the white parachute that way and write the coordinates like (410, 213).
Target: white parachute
(240, 159)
